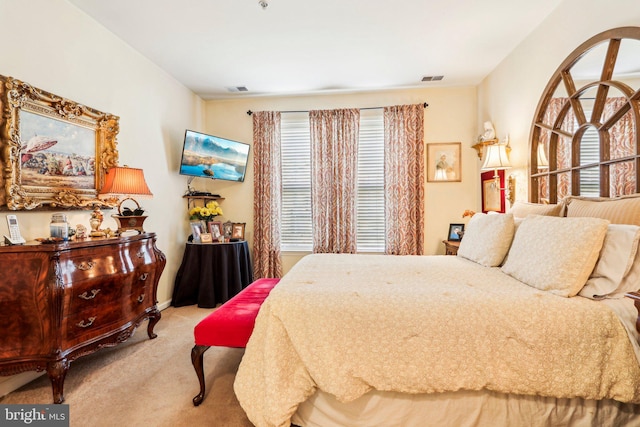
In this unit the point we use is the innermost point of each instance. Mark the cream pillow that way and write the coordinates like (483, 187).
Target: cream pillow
(487, 239)
(616, 258)
(524, 209)
(620, 210)
(555, 254)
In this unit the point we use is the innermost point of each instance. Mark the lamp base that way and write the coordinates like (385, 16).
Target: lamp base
(130, 222)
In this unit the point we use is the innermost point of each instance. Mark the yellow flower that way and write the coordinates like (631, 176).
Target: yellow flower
(206, 213)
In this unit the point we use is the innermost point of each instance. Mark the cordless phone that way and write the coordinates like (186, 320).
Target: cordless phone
(15, 238)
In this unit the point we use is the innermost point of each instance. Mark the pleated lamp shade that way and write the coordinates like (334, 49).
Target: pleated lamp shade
(125, 181)
(495, 157)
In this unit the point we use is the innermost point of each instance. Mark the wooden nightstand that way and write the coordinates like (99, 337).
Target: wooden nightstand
(451, 248)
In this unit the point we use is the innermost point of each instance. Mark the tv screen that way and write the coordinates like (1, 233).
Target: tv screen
(209, 156)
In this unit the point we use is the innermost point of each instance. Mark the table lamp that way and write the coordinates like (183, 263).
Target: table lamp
(123, 181)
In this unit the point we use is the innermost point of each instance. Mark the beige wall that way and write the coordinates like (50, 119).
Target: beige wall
(450, 117)
(510, 94)
(56, 47)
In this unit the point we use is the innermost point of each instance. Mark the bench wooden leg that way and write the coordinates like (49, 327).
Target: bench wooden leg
(197, 353)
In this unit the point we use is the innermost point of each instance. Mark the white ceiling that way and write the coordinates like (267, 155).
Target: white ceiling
(303, 47)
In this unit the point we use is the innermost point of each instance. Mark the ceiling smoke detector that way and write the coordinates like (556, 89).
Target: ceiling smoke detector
(263, 4)
(432, 78)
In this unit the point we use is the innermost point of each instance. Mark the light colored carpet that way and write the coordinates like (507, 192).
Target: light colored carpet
(145, 382)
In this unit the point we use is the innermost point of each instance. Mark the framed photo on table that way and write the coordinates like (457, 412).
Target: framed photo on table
(215, 228)
(492, 196)
(197, 229)
(444, 162)
(238, 231)
(455, 232)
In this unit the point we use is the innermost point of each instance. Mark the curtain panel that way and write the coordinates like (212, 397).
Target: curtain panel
(334, 163)
(267, 189)
(404, 179)
(621, 134)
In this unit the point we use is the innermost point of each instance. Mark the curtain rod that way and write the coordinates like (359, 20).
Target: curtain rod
(249, 112)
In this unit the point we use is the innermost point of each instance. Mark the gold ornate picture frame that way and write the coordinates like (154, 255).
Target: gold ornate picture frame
(54, 152)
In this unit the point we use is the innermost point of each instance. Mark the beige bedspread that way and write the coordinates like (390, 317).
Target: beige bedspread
(351, 323)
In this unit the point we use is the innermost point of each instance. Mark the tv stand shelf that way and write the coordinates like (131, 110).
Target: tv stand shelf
(191, 199)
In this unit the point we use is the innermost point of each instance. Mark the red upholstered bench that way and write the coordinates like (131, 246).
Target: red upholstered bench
(230, 325)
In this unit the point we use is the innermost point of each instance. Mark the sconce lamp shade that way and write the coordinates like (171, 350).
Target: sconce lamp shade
(125, 181)
(543, 161)
(496, 158)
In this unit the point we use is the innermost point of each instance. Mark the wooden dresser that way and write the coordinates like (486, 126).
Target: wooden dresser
(62, 301)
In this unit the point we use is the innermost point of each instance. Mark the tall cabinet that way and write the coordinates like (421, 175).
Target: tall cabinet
(65, 300)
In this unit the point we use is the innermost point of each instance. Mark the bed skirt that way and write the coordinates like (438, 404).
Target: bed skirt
(462, 409)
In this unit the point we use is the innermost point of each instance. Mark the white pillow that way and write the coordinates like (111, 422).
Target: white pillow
(555, 254)
(616, 258)
(487, 238)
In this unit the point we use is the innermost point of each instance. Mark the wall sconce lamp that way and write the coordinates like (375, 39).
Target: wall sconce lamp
(496, 158)
(123, 181)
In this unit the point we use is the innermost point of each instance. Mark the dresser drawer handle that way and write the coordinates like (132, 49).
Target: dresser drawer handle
(144, 276)
(86, 325)
(84, 266)
(141, 298)
(87, 296)
(140, 254)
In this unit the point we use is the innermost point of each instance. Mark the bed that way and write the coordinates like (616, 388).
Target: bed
(528, 325)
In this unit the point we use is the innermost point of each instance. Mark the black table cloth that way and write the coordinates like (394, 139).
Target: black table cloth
(211, 274)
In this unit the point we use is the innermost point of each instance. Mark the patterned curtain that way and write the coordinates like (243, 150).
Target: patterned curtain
(563, 149)
(621, 140)
(334, 150)
(267, 183)
(404, 179)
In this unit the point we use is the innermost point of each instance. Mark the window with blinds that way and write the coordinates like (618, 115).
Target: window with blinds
(590, 155)
(296, 183)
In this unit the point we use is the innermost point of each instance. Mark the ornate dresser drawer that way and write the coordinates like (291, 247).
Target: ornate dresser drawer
(63, 301)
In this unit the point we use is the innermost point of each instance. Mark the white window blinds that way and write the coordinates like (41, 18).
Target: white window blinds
(296, 182)
(295, 151)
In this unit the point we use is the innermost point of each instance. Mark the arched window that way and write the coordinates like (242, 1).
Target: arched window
(584, 137)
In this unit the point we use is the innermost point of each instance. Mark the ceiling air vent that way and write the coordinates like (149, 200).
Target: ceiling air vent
(237, 89)
(432, 78)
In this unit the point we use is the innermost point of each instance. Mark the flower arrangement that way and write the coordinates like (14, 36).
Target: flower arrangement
(467, 213)
(205, 213)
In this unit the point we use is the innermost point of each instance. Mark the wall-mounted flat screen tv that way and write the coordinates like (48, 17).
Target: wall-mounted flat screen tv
(208, 156)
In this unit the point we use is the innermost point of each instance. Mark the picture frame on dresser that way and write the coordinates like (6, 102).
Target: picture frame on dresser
(55, 152)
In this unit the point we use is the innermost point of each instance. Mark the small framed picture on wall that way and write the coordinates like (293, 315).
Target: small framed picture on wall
(492, 195)
(444, 162)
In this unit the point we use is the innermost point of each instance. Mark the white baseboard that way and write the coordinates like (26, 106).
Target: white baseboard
(14, 382)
